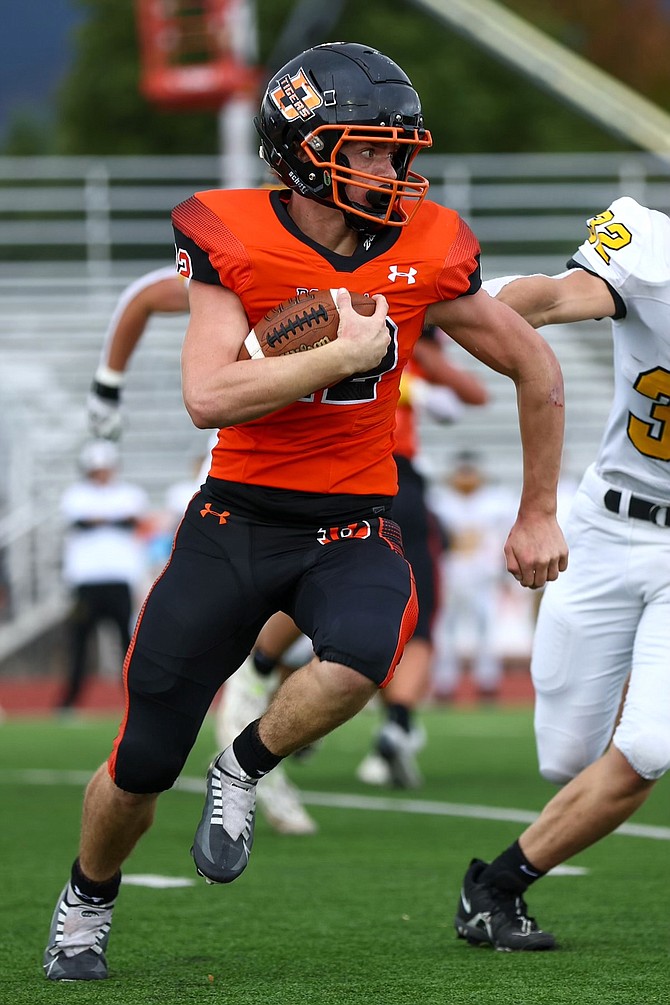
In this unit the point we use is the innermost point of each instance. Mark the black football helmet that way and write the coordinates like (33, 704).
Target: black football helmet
(336, 93)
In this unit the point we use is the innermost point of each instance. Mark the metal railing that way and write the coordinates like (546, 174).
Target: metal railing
(102, 211)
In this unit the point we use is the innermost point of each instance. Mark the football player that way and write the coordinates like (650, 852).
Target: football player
(430, 384)
(340, 125)
(606, 623)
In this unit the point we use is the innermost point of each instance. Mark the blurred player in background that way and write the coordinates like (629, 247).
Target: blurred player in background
(433, 386)
(103, 558)
(607, 621)
(340, 124)
(474, 515)
(161, 291)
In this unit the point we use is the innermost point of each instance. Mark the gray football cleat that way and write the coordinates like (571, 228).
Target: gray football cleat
(77, 939)
(225, 834)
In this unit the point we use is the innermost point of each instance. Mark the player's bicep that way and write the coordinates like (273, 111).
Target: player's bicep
(489, 330)
(216, 330)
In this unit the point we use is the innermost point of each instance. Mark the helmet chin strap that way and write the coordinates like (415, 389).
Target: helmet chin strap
(361, 225)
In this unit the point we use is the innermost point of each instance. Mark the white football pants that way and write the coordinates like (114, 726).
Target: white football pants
(606, 618)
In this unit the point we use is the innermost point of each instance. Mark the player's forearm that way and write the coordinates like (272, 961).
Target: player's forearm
(436, 369)
(123, 341)
(249, 389)
(541, 408)
(576, 295)
(104, 397)
(155, 293)
(533, 297)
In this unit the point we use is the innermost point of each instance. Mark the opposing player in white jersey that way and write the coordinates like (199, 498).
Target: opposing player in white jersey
(607, 620)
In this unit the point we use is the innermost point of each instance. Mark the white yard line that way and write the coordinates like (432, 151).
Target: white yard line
(345, 801)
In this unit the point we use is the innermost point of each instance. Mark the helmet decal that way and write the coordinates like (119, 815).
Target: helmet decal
(295, 97)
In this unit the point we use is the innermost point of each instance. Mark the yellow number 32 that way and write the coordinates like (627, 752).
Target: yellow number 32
(607, 235)
(652, 438)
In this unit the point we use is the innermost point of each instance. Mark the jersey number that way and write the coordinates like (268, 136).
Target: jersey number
(607, 235)
(363, 387)
(653, 438)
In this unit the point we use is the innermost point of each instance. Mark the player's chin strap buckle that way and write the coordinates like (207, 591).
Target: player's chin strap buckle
(638, 509)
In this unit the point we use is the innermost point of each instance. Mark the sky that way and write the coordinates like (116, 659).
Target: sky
(35, 49)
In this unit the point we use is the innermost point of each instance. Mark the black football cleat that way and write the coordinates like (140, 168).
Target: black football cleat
(489, 916)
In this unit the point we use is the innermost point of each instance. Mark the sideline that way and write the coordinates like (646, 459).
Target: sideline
(344, 801)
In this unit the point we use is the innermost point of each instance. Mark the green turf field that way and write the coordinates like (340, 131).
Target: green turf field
(361, 913)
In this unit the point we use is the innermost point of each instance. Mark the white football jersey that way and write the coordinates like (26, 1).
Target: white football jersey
(107, 551)
(629, 247)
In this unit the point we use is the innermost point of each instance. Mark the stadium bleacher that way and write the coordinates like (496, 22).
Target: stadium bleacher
(56, 300)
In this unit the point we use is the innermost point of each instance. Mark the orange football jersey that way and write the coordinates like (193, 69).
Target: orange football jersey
(406, 438)
(339, 439)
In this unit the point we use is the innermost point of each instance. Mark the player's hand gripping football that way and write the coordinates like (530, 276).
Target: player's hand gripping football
(364, 339)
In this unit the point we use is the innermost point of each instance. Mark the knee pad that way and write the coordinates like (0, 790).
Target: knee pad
(141, 768)
(646, 750)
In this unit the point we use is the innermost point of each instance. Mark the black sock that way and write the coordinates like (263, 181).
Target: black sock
(401, 715)
(511, 871)
(264, 664)
(94, 893)
(253, 756)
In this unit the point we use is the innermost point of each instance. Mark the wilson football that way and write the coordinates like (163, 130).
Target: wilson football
(304, 322)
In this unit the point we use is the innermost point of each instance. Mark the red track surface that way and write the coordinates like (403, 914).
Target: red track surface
(37, 695)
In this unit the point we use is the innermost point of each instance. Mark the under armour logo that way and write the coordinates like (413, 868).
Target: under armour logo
(394, 273)
(208, 511)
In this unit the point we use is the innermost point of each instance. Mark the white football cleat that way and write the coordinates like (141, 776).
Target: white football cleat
(77, 939)
(374, 770)
(399, 749)
(225, 835)
(393, 761)
(246, 697)
(282, 807)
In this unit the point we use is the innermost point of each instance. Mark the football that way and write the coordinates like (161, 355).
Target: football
(304, 322)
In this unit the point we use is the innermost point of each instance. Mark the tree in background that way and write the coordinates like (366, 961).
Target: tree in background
(630, 40)
(472, 103)
(100, 109)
